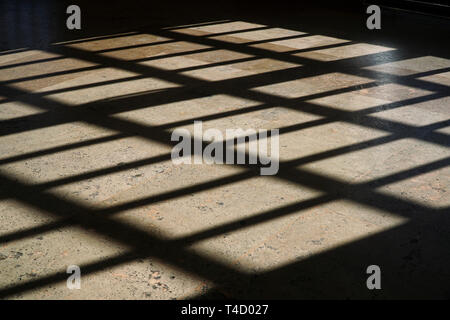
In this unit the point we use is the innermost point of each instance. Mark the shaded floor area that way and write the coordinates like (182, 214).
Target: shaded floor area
(86, 176)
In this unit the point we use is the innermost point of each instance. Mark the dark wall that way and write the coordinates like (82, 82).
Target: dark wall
(29, 23)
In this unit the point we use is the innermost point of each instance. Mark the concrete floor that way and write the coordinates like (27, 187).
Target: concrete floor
(86, 177)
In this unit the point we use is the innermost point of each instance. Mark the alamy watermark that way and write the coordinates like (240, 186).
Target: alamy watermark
(374, 20)
(74, 20)
(74, 280)
(221, 148)
(374, 280)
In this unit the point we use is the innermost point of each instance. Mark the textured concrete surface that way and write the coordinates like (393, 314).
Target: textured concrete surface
(86, 177)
